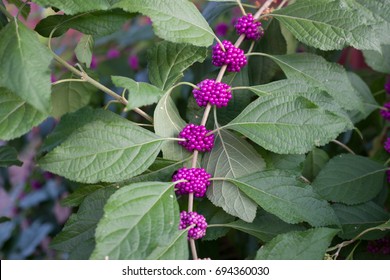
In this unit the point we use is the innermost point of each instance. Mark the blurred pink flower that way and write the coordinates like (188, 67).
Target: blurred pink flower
(133, 62)
(113, 53)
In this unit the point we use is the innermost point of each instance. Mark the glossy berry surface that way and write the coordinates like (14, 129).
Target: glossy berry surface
(249, 27)
(215, 93)
(196, 138)
(386, 113)
(233, 57)
(192, 218)
(197, 181)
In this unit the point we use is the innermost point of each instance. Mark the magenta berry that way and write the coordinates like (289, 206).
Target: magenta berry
(196, 138)
(233, 57)
(249, 27)
(192, 218)
(386, 113)
(215, 93)
(197, 181)
(387, 145)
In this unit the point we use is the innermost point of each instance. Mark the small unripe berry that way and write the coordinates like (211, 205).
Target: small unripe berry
(192, 218)
(196, 138)
(215, 93)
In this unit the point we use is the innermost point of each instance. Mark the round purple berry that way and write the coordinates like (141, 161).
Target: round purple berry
(387, 145)
(249, 27)
(215, 93)
(386, 111)
(197, 181)
(192, 218)
(196, 138)
(233, 57)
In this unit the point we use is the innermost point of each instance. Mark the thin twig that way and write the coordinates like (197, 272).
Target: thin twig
(241, 7)
(343, 146)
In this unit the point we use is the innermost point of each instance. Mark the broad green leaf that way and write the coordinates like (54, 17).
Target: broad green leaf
(141, 222)
(232, 157)
(25, 65)
(71, 7)
(350, 179)
(285, 162)
(289, 124)
(176, 21)
(78, 196)
(315, 71)
(168, 61)
(78, 235)
(23, 8)
(140, 94)
(280, 193)
(357, 218)
(9, 156)
(379, 61)
(84, 50)
(16, 116)
(264, 227)
(168, 123)
(334, 24)
(303, 245)
(108, 148)
(313, 163)
(96, 23)
(68, 97)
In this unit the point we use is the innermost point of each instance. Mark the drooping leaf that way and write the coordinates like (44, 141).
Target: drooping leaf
(84, 50)
(23, 55)
(334, 24)
(168, 61)
(140, 94)
(313, 164)
(168, 123)
(176, 21)
(68, 97)
(78, 196)
(379, 61)
(350, 179)
(78, 235)
(303, 245)
(280, 193)
(9, 156)
(108, 148)
(357, 218)
(74, 6)
(16, 116)
(232, 157)
(96, 23)
(289, 124)
(264, 227)
(141, 221)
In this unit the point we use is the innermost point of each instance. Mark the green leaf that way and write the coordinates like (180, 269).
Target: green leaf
(168, 123)
(23, 8)
(334, 24)
(264, 227)
(379, 60)
(26, 63)
(280, 193)
(9, 157)
(315, 71)
(78, 196)
(304, 245)
(96, 23)
(140, 94)
(78, 235)
(75, 6)
(68, 97)
(357, 218)
(285, 162)
(84, 50)
(289, 124)
(313, 163)
(108, 148)
(16, 116)
(4, 219)
(168, 61)
(176, 21)
(232, 157)
(141, 222)
(384, 226)
(346, 178)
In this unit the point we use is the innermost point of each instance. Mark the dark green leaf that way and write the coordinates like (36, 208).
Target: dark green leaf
(304, 245)
(141, 222)
(75, 6)
(313, 164)
(9, 156)
(78, 196)
(4, 219)
(350, 179)
(24, 9)
(285, 162)
(379, 61)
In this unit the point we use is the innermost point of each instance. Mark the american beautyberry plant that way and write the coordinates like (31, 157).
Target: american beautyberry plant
(263, 142)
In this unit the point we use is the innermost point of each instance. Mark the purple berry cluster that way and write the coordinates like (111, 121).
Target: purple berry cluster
(233, 57)
(249, 27)
(215, 93)
(380, 246)
(386, 113)
(196, 138)
(197, 181)
(387, 145)
(192, 218)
